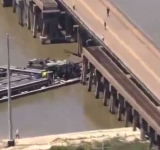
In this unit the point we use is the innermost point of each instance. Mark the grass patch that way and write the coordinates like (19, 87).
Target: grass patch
(113, 144)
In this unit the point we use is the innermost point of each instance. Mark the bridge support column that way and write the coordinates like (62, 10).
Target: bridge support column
(143, 126)
(94, 77)
(106, 92)
(67, 24)
(158, 142)
(90, 77)
(98, 76)
(35, 20)
(20, 11)
(84, 70)
(120, 107)
(135, 119)
(127, 113)
(14, 5)
(113, 97)
(31, 15)
(152, 137)
(28, 16)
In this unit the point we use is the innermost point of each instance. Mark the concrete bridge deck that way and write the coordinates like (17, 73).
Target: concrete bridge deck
(142, 58)
(124, 85)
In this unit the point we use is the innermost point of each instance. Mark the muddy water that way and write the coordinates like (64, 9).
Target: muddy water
(67, 109)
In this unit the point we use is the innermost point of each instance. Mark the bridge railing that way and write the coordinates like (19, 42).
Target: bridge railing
(109, 52)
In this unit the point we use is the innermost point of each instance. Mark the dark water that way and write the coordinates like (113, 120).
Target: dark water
(67, 109)
(145, 14)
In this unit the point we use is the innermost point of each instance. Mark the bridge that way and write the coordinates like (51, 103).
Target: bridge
(124, 63)
(135, 91)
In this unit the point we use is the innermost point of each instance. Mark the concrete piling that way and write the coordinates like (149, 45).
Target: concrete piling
(143, 126)
(120, 107)
(135, 120)
(90, 77)
(84, 70)
(97, 92)
(20, 12)
(113, 96)
(106, 92)
(127, 113)
(35, 20)
(14, 5)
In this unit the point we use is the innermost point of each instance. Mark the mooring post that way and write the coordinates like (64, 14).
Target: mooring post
(135, 120)
(98, 76)
(35, 20)
(120, 107)
(106, 91)
(90, 77)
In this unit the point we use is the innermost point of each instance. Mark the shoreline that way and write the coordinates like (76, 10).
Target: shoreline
(46, 142)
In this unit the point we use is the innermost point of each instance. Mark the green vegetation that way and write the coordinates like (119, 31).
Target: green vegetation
(114, 144)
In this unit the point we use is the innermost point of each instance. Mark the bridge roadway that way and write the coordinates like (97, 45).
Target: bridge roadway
(125, 86)
(141, 58)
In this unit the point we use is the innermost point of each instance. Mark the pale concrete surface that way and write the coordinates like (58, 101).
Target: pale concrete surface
(45, 142)
(142, 59)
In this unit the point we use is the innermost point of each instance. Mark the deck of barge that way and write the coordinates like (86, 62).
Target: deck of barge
(17, 80)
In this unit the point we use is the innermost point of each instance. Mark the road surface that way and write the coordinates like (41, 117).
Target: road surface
(143, 60)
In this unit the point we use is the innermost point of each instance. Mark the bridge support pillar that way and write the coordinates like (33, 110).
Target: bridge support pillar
(31, 15)
(35, 20)
(135, 119)
(113, 97)
(20, 12)
(120, 107)
(84, 70)
(152, 137)
(158, 142)
(127, 113)
(90, 77)
(98, 76)
(67, 24)
(143, 126)
(106, 92)
(14, 5)
(94, 77)
(28, 17)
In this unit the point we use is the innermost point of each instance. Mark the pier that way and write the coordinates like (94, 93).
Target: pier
(126, 67)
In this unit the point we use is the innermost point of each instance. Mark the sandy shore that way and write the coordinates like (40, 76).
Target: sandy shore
(45, 142)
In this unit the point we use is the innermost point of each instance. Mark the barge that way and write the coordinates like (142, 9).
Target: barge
(38, 76)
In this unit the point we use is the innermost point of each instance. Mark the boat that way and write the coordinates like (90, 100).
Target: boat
(38, 75)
